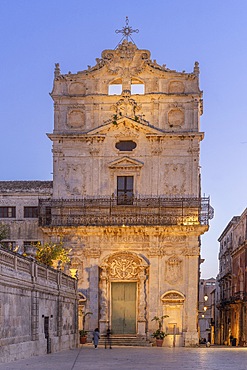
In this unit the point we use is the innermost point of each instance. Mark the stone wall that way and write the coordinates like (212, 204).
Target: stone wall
(38, 308)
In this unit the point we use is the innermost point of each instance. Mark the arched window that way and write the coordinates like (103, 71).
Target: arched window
(115, 87)
(137, 87)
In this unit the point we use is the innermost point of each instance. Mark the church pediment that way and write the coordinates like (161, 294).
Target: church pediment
(127, 126)
(126, 163)
(126, 57)
(173, 296)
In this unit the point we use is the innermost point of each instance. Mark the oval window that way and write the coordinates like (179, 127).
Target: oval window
(126, 146)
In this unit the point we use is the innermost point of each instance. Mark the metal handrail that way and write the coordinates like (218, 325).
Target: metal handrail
(137, 211)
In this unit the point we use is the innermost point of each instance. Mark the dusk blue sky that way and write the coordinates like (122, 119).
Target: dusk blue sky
(36, 34)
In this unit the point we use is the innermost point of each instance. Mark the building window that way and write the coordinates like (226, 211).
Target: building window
(7, 212)
(125, 190)
(27, 244)
(116, 87)
(30, 212)
(137, 87)
(10, 245)
(125, 145)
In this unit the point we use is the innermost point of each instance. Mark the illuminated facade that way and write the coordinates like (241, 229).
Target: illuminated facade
(126, 191)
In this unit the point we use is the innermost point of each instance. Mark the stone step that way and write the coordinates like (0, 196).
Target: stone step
(131, 341)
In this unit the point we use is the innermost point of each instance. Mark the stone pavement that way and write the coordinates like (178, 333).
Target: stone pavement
(130, 358)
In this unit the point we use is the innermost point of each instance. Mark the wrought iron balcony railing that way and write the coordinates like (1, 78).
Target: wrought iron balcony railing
(140, 211)
(240, 296)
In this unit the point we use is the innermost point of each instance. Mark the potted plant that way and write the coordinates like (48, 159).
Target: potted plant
(159, 334)
(83, 336)
(83, 332)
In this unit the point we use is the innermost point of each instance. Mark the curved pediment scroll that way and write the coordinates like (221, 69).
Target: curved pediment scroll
(124, 266)
(173, 296)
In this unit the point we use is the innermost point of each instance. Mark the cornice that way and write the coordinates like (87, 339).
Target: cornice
(164, 135)
(156, 231)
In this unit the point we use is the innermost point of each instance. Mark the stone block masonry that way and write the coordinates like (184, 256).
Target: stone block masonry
(38, 308)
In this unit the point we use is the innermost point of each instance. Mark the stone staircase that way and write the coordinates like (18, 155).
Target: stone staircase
(126, 340)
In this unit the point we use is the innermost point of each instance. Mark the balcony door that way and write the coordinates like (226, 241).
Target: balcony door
(125, 190)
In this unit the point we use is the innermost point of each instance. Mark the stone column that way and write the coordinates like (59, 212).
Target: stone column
(94, 294)
(141, 320)
(104, 317)
(191, 337)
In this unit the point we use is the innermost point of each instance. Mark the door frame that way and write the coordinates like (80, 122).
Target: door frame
(123, 266)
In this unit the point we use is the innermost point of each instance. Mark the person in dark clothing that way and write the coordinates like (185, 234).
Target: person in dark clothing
(96, 337)
(108, 338)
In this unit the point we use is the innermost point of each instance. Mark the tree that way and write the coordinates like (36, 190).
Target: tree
(47, 253)
(4, 231)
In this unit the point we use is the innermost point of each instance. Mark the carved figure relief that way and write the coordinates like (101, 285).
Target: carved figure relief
(126, 106)
(126, 132)
(174, 271)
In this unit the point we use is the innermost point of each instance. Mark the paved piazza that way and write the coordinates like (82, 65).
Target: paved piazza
(129, 358)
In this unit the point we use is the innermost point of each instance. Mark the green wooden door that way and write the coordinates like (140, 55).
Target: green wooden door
(123, 308)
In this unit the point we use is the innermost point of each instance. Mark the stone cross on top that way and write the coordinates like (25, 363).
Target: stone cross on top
(127, 31)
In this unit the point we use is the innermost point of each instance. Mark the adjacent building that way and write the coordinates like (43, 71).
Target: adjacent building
(126, 194)
(207, 310)
(232, 281)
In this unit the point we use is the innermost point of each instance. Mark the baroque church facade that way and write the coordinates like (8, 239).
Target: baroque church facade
(125, 196)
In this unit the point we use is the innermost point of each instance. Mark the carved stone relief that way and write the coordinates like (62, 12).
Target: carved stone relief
(126, 132)
(74, 179)
(94, 145)
(126, 60)
(156, 147)
(191, 251)
(93, 251)
(171, 238)
(175, 179)
(173, 296)
(123, 266)
(76, 119)
(176, 117)
(174, 270)
(77, 88)
(77, 264)
(126, 106)
(176, 87)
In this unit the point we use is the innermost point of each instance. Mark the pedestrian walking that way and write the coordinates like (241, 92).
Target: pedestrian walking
(108, 338)
(96, 337)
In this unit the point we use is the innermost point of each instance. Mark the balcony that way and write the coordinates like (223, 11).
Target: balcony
(139, 212)
(239, 297)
